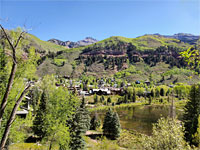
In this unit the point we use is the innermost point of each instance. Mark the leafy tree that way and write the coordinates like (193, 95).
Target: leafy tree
(111, 124)
(191, 56)
(167, 135)
(16, 87)
(3, 71)
(192, 111)
(55, 109)
(79, 124)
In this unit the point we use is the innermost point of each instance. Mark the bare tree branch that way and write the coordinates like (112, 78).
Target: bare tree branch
(19, 38)
(12, 74)
(11, 45)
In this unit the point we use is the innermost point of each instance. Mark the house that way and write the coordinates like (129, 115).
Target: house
(101, 91)
(22, 113)
(84, 93)
(147, 83)
(115, 91)
(25, 108)
(137, 82)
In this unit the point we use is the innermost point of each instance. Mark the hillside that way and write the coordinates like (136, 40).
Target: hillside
(184, 37)
(126, 58)
(115, 54)
(42, 47)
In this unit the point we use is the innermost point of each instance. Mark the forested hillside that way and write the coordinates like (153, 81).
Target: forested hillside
(149, 55)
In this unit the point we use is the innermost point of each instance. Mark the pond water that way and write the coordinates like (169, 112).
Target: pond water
(140, 118)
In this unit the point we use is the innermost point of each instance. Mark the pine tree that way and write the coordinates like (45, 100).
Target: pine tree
(192, 111)
(150, 100)
(95, 122)
(107, 122)
(115, 126)
(109, 100)
(125, 98)
(38, 123)
(95, 99)
(102, 99)
(152, 93)
(134, 95)
(157, 93)
(162, 92)
(111, 125)
(78, 126)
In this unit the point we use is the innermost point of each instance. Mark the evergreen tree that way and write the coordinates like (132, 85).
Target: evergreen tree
(126, 98)
(162, 92)
(109, 100)
(115, 126)
(78, 126)
(150, 100)
(95, 99)
(107, 122)
(192, 111)
(38, 122)
(157, 93)
(102, 99)
(134, 95)
(95, 122)
(197, 134)
(152, 93)
(111, 125)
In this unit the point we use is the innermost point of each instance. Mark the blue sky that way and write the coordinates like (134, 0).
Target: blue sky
(77, 19)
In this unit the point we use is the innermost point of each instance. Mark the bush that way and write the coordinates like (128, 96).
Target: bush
(167, 135)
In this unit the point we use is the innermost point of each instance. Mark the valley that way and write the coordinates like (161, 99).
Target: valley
(140, 79)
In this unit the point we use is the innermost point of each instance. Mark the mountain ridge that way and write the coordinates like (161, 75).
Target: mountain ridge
(184, 37)
(71, 44)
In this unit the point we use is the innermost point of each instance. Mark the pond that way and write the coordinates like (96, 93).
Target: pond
(140, 118)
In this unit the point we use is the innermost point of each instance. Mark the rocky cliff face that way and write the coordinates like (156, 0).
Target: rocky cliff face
(70, 44)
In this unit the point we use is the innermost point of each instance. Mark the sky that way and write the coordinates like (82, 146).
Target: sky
(76, 19)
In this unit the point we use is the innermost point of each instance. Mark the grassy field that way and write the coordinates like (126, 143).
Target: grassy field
(127, 141)
(27, 146)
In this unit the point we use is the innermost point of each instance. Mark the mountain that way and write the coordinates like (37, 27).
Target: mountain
(184, 37)
(115, 54)
(70, 44)
(124, 58)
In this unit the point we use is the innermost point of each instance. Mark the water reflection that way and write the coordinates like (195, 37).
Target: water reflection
(140, 118)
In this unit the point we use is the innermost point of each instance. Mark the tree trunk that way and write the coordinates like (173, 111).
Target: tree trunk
(12, 118)
(9, 86)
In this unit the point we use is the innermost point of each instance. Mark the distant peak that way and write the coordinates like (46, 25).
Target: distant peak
(90, 38)
(70, 44)
(183, 34)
